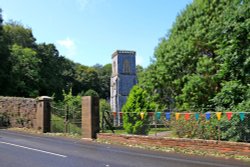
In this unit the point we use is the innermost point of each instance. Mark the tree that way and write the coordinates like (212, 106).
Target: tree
(4, 61)
(91, 92)
(16, 33)
(136, 103)
(203, 62)
(104, 74)
(217, 30)
(25, 71)
(51, 71)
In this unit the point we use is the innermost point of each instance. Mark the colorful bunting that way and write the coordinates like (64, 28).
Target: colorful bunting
(158, 115)
(197, 115)
(168, 116)
(218, 114)
(177, 116)
(242, 116)
(208, 115)
(229, 115)
(142, 115)
(187, 116)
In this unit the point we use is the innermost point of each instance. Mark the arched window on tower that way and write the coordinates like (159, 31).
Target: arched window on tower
(126, 67)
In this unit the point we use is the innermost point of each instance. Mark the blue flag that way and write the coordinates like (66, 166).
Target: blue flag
(208, 115)
(158, 115)
(197, 115)
(242, 116)
(167, 116)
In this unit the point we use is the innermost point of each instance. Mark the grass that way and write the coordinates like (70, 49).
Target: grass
(58, 126)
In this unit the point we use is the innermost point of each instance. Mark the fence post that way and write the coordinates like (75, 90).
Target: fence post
(43, 114)
(90, 117)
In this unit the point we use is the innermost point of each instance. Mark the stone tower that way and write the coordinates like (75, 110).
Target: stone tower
(122, 80)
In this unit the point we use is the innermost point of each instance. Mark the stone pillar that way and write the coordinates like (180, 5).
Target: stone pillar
(90, 117)
(43, 114)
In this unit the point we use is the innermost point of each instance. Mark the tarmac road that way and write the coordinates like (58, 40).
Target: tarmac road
(23, 150)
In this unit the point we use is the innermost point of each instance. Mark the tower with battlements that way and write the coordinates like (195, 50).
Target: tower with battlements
(122, 80)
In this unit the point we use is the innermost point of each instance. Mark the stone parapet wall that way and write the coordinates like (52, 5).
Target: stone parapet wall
(21, 112)
(224, 147)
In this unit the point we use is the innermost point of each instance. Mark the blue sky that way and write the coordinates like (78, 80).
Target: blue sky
(89, 31)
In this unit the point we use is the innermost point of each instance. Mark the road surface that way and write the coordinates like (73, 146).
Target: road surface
(22, 150)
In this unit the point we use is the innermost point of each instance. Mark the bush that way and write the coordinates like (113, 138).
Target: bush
(92, 93)
(136, 103)
(4, 120)
(201, 129)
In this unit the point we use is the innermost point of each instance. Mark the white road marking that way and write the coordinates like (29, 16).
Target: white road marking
(33, 149)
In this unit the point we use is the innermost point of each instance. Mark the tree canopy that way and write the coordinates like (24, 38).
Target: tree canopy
(32, 69)
(205, 52)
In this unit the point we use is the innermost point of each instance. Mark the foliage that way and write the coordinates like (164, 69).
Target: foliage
(202, 129)
(4, 120)
(91, 92)
(4, 61)
(136, 103)
(25, 71)
(58, 125)
(106, 119)
(203, 62)
(30, 69)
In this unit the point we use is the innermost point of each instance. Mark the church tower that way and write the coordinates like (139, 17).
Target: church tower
(122, 80)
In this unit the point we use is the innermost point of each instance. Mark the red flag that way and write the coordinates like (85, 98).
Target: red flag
(187, 116)
(229, 115)
(150, 113)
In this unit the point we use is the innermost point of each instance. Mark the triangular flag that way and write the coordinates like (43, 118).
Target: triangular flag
(177, 116)
(142, 115)
(150, 113)
(229, 115)
(242, 116)
(208, 115)
(168, 116)
(158, 115)
(197, 116)
(187, 116)
(218, 114)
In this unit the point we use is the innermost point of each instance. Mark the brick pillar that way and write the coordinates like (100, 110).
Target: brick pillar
(90, 117)
(43, 114)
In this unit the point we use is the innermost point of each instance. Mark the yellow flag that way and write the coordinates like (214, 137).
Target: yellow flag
(142, 115)
(218, 114)
(177, 116)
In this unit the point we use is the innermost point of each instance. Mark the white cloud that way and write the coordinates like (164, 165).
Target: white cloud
(68, 47)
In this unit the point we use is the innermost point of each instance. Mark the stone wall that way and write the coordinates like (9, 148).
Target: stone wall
(21, 112)
(228, 148)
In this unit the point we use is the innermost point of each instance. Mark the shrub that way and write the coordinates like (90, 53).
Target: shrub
(137, 102)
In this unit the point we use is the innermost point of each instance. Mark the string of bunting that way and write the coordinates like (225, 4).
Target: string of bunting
(187, 116)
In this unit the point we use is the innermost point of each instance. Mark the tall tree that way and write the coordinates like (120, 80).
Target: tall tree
(52, 67)
(16, 33)
(4, 61)
(25, 71)
(206, 31)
